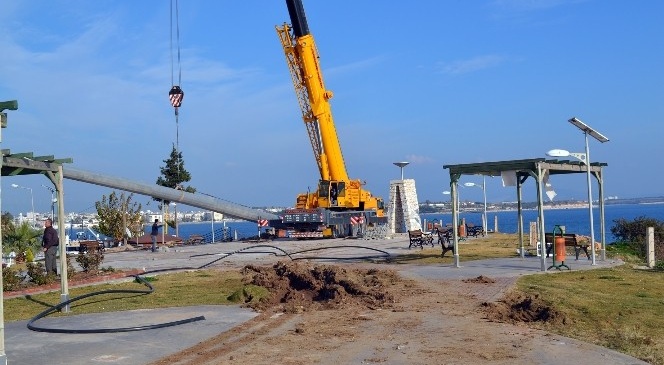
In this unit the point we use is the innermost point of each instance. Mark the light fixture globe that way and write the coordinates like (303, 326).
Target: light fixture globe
(401, 165)
(558, 153)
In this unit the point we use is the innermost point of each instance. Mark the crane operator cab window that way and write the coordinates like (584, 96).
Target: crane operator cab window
(332, 190)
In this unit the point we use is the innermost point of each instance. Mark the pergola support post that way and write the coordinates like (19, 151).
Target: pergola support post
(57, 181)
(519, 221)
(454, 186)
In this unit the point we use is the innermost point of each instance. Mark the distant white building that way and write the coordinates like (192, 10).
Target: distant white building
(207, 216)
(150, 217)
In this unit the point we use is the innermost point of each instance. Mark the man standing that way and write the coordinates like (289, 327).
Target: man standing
(154, 233)
(50, 242)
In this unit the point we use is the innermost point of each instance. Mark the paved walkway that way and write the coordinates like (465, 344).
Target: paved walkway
(23, 346)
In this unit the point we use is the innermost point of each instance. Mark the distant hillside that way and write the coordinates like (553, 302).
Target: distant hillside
(445, 207)
(650, 200)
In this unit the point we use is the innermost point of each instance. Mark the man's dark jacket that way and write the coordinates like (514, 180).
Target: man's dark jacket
(50, 238)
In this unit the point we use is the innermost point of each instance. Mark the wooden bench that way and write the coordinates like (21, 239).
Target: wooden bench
(90, 246)
(445, 239)
(473, 230)
(194, 239)
(570, 241)
(419, 238)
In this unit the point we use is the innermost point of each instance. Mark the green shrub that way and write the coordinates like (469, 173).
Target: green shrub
(633, 233)
(659, 265)
(10, 279)
(90, 260)
(37, 274)
(29, 255)
(70, 267)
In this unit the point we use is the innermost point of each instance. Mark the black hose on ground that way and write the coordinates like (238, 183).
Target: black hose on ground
(342, 246)
(55, 308)
(243, 249)
(150, 290)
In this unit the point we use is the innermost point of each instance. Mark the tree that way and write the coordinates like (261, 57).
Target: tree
(21, 239)
(173, 174)
(7, 224)
(117, 213)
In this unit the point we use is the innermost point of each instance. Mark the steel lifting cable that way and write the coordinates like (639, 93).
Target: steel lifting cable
(176, 94)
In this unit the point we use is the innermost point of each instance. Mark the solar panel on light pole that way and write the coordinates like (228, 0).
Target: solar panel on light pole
(587, 130)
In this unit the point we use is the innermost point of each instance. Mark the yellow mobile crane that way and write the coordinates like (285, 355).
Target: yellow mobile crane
(338, 201)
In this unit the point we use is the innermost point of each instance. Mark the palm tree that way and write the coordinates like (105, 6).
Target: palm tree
(22, 239)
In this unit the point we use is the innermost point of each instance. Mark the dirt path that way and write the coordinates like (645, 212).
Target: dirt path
(413, 322)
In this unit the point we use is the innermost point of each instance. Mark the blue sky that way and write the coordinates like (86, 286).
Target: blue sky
(430, 82)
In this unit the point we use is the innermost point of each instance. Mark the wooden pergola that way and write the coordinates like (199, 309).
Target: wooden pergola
(537, 168)
(15, 164)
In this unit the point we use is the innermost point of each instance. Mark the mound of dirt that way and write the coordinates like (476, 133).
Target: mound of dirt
(516, 308)
(300, 286)
(480, 280)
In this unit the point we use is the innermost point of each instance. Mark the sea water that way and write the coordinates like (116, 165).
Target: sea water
(239, 229)
(575, 220)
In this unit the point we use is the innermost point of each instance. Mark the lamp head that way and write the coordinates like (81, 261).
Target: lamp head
(558, 153)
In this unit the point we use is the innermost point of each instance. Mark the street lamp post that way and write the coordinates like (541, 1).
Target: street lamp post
(32, 201)
(212, 226)
(401, 166)
(212, 213)
(483, 187)
(53, 200)
(585, 159)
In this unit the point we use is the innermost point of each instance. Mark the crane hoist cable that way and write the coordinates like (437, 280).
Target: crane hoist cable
(176, 94)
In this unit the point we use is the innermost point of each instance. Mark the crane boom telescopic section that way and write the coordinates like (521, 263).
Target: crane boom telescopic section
(314, 98)
(336, 192)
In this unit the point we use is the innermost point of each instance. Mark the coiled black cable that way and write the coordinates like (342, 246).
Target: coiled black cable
(55, 308)
(31, 324)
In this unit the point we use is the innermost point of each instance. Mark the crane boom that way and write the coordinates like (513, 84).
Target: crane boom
(302, 58)
(336, 191)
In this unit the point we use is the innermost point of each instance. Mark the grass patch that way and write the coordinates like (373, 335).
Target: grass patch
(624, 251)
(203, 287)
(619, 308)
(495, 245)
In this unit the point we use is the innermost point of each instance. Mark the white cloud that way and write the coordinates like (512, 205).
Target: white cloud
(419, 160)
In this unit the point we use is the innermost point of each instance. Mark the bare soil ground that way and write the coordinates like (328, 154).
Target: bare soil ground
(350, 314)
